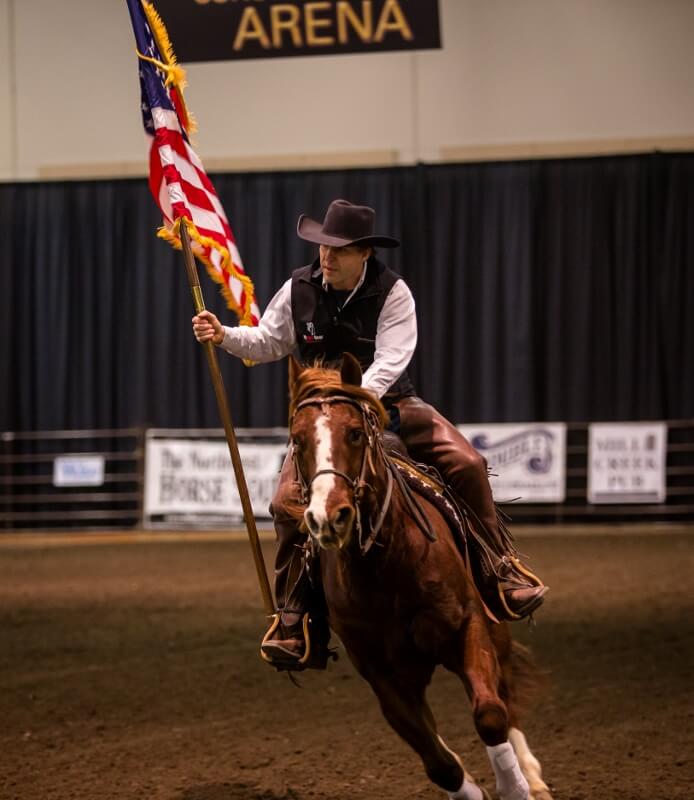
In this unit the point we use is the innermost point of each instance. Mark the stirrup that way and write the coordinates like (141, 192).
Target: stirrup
(534, 582)
(313, 657)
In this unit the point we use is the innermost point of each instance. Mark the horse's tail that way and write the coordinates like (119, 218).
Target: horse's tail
(523, 681)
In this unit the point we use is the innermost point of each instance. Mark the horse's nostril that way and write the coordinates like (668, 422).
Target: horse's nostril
(342, 517)
(311, 521)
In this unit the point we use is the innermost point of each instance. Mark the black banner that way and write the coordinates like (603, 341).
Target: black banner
(220, 30)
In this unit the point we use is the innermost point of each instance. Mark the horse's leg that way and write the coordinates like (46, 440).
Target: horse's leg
(518, 675)
(529, 765)
(482, 676)
(407, 712)
(468, 790)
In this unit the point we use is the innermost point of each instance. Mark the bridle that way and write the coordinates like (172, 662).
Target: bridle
(359, 483)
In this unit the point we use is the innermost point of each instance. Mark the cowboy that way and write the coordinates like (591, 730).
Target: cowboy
(347, 301)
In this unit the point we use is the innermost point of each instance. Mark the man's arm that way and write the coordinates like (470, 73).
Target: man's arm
(396, 339)
(272, 339)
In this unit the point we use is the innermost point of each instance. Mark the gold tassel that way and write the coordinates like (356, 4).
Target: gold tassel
(175, 74)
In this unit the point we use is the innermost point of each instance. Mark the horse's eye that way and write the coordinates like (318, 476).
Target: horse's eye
(298, 443)
(355, 435)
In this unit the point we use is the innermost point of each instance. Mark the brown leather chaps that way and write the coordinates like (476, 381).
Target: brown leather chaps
(431, 439)
(292, 587)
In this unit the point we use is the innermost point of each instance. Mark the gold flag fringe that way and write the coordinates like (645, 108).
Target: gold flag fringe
(175, 74)
(172, 236)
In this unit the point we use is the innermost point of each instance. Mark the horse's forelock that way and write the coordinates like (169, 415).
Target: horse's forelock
(320, 382)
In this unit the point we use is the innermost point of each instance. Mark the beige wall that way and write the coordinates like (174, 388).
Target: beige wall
(514, 77)
(6, 103)
(77, 78)
(558, 70)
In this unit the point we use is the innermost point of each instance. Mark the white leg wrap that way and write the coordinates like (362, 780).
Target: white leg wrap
(529, 765)
(510, 781)
(468, 791)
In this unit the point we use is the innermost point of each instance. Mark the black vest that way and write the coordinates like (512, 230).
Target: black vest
(324, 331)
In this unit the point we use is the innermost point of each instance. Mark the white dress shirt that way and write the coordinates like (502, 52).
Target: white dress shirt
(274, 337)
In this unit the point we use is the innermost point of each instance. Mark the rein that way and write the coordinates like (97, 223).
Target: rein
(359, 484)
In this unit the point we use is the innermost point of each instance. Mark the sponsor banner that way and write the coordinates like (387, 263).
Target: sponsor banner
(527, 461)
(626, 462)
(78, 471)
(190, 480)
(220, 30)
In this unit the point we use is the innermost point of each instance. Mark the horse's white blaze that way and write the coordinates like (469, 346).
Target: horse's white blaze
(529, 765)
(323, 484)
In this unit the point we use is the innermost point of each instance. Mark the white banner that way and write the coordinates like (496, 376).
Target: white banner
(527, 461)
(192, 480)
(626, 462)
(78, 471)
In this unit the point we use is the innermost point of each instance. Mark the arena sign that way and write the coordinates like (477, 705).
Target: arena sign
(220, 30)
(626, 462)
(191, 481)
(527, 461)
(77, 470)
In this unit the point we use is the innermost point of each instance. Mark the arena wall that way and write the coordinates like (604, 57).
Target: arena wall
(513, 79)
(6, 101)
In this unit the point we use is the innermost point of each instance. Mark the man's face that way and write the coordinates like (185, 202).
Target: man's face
(342, 266)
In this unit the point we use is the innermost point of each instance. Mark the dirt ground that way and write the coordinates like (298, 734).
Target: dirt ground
(131, 670)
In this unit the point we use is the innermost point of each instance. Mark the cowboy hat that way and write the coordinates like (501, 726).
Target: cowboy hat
(344, 224)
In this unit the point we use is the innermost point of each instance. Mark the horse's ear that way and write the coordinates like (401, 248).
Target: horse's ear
(295, 370)
(350, 372)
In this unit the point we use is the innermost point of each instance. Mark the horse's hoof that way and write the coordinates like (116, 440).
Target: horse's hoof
(485, 793)
(540, 794)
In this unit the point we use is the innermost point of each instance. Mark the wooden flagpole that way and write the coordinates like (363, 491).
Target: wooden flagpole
(225, 415)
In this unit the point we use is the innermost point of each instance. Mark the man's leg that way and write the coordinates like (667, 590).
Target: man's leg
(285, 643)
(432, 439)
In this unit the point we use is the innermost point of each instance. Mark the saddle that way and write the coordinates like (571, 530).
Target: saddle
(421, 480)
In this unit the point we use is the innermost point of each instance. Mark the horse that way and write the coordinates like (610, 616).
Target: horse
(397, 590)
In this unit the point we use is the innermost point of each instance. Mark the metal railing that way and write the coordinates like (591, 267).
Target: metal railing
(30, 498)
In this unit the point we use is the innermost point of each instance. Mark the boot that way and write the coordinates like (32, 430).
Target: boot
(286, 638)
(299, 634)
(295, 643)
(520, 591)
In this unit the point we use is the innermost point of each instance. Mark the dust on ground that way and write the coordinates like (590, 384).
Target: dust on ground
(132, 671)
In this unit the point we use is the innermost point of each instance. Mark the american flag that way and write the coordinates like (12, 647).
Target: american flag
(177, 177)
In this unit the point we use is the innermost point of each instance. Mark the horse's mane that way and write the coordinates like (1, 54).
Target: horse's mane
(321, 382)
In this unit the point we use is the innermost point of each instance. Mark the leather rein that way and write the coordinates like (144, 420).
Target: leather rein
(359, 484)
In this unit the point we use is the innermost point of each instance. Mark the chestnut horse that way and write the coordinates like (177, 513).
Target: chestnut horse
(397, 590)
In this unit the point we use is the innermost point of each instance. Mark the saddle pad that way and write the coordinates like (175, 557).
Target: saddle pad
(432, 489)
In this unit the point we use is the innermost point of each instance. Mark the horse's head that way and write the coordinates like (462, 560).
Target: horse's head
(333, 425)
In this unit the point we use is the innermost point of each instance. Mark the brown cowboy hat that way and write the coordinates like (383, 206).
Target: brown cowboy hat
(344, 224)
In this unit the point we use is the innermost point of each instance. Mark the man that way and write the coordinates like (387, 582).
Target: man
(348, 301)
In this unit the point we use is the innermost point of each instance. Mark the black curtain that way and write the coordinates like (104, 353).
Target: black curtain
(546, 290)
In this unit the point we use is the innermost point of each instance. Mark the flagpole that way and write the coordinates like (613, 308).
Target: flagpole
(225, 415)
